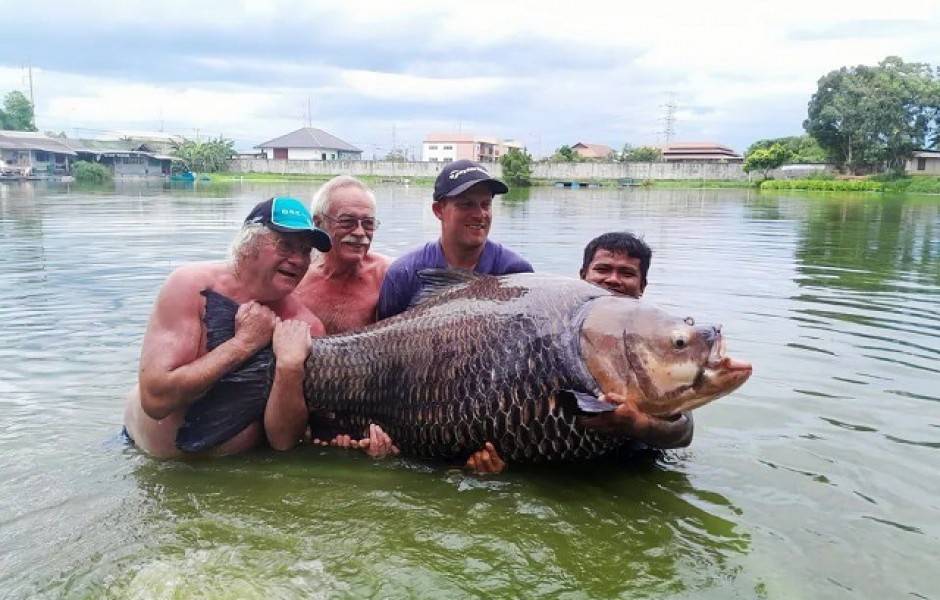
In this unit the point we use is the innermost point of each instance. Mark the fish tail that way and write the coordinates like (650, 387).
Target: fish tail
(236, 400)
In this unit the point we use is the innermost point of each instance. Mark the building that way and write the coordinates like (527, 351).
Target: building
(700, 151)
(923, 162)
(33, 155)
(445, 147)
(125, 158)
(594, 151)
(309, 143)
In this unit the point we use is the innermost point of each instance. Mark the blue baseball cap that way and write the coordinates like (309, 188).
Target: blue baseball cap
(289, 215)
(461, 175)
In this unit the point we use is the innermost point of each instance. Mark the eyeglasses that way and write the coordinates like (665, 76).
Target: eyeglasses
(294, 245)
(350, 222)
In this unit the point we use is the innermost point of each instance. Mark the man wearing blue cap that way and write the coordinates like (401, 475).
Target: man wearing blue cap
(268, 259)
(463, 202)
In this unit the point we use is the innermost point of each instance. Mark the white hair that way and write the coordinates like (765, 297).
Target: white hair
(247, 242)
(323, 197)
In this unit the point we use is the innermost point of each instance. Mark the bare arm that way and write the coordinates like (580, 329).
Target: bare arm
(172, 372)
(285, 416)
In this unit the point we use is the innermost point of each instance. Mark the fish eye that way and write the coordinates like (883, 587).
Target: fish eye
(679, 341)
(689, 321)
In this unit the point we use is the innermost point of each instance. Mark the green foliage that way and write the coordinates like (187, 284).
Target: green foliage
(870, 117)
(517, 167)
(802, 148)
(210, 156)
(90, 172)
(640, 154)
(918, 185)
(17, 113)
(766, 159)
(566, 154)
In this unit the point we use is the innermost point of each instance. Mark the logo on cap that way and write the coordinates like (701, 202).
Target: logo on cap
(456, 174)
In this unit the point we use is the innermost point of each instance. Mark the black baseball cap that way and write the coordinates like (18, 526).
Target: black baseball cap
(459, 176)
(289, 215)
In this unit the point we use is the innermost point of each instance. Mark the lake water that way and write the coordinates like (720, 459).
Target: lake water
(820, 478)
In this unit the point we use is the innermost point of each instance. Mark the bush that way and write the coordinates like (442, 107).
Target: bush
(517, 167)
(90, 172)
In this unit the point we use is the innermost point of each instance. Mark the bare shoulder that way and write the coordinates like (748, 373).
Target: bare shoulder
(181, 289)
(378, 264)
(293, 308)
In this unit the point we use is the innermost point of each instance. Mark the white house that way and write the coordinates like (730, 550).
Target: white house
(309, 143)
(924, 162)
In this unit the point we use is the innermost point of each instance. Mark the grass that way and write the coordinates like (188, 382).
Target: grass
(917, 185)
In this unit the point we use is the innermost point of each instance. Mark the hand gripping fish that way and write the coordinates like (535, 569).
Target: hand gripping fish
(514, 360)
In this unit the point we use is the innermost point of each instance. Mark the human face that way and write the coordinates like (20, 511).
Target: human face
(282, 261)
(343, 221)
(616, 271)
(466, 219)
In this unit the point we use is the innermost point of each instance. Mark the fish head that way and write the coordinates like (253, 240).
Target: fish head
(662, 363)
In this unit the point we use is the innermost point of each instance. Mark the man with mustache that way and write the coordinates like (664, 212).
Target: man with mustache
(341, 287)
(269, 257)
(463, 202)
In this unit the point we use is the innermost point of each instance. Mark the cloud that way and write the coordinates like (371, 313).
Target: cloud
(546, 73)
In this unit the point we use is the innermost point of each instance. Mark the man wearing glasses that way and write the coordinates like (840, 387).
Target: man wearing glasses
(269, 257)
(342, 287)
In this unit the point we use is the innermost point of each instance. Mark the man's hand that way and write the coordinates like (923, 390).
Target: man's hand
(254, 325)
(630, 421)
(485, 461)
(291, 343)
(377, 445)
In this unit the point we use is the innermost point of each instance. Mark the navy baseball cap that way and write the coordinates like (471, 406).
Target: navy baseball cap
(289, 215)
(459, 176)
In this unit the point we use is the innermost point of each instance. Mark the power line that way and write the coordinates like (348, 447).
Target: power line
(669, 118)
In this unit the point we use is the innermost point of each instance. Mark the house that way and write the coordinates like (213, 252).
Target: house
(125, 158)
(700, 151)
(33, 155)
(593, 151)
(923, 162)
(309, 143)
(445, 147)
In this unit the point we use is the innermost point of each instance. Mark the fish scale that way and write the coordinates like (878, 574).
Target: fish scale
(491, 373)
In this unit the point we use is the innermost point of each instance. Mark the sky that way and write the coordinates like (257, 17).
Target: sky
(385, 74)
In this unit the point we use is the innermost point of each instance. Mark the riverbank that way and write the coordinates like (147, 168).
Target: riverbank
(914, 185)
(429, 181)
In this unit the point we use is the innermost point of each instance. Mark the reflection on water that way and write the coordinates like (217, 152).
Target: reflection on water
(816, 479)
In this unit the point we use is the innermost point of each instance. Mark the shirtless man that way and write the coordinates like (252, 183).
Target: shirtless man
(269, 257)
(342, 287)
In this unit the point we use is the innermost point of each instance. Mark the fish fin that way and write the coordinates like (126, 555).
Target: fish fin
(435, 282)
(591, 403)
(236, 400)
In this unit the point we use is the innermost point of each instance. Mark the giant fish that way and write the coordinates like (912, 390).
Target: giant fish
(515, 360)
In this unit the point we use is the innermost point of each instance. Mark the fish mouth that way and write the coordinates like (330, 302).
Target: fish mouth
(721, 374)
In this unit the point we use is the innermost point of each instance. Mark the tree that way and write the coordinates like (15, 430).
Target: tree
(210, 156)
(640, 154)
(802, 148)
(396, 155)
(17, 113)
(517, 167)
(871, 117)
(566, 154)
(766, 159)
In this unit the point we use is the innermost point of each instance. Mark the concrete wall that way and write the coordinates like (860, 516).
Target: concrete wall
(560, 171)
